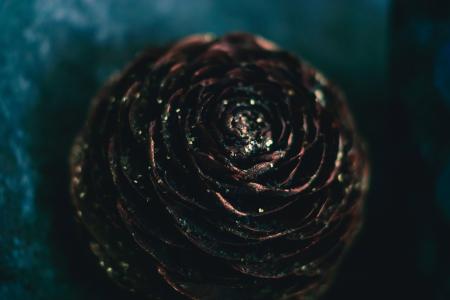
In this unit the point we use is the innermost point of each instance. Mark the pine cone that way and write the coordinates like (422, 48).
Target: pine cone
(219, 168)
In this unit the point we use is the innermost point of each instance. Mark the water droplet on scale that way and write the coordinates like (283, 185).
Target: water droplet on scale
(124, 265)
(78, 169)
(320, 78)
(348, 189)
(320, 98)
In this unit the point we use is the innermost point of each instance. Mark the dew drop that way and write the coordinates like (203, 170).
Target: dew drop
(319, 97)
(124, 265)
(320, 78)
(78, 169)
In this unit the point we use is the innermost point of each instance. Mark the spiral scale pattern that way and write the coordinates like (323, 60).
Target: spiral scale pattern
(219, 168)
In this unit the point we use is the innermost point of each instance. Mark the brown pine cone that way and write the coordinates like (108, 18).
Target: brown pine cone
(219, 168)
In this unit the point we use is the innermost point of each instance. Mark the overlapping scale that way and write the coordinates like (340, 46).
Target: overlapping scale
(219, 168)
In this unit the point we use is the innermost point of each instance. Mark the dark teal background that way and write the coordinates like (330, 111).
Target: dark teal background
(392, 58)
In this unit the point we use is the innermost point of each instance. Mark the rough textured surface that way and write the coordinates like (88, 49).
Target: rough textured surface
(220, 168)
(55, 54)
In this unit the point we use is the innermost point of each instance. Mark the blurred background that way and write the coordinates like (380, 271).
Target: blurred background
(392, 58)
